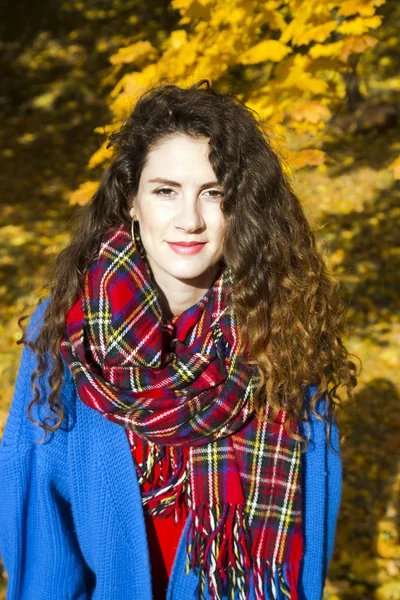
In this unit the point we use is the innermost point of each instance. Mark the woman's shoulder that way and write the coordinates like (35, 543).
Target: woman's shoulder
(19, 428)
(316, 429)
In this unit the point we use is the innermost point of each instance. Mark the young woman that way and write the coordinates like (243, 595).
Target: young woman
(186, 349)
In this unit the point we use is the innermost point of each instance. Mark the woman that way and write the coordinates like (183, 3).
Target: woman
(186, 348)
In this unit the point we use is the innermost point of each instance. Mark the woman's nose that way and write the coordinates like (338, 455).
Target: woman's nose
(189, 216)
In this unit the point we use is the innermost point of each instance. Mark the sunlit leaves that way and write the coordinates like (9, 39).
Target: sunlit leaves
(100, 156)
(133, 52)
(266, 50)
(307, 157)
(359, 26)
(319, 33)
(295, 48)
(313, 112)
(344, 48)
(83, 194)
(364, 8)
(193, 10)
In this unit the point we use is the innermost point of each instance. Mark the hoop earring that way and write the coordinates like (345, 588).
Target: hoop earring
(136, 237)
(132, 226)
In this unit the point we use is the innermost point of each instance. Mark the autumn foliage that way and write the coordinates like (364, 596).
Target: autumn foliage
(286, 59)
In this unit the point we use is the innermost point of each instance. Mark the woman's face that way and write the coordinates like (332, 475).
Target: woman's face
(179, 200)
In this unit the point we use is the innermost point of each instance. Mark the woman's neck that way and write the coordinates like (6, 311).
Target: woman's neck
(181, 295)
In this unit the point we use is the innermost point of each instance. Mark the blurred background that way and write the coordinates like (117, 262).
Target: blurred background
(324, 79)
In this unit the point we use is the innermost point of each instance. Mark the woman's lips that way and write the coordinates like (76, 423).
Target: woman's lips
(186, 248)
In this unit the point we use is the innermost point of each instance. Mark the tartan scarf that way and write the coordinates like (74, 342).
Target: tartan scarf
(179, 385)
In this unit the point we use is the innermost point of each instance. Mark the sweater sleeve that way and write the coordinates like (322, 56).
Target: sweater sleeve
(334, 492)
(38, 544)
(323, 488)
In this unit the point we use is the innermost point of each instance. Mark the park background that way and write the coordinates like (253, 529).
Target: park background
(324, 78)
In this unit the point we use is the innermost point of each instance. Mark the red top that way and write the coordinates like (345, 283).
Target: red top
(163, 537)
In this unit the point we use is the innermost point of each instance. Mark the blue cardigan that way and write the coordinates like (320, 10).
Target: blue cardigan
(71, 517)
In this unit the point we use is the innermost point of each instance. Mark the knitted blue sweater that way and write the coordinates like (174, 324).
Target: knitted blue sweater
(71, 518)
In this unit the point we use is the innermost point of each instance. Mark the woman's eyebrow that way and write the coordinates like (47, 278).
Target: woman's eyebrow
(177, 184)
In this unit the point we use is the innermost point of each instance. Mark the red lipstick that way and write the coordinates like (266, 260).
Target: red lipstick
(186, 247)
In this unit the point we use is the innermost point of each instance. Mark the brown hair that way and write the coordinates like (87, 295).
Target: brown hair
(287, 304)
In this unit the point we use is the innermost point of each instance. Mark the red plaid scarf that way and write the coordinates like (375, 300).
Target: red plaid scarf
(179, 385)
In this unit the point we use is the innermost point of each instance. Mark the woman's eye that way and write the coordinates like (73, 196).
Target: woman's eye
(164, 190)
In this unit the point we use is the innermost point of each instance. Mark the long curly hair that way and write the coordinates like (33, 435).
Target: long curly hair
(287, 304)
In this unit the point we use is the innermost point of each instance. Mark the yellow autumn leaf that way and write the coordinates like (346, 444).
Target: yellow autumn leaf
(305, 82)
(177, 39)
(192, 9)
(104, 129)
(181, 5)
(310, 157)
(319, 33)
(15, 235)
(395, 167)
(386, 548)
(119, 87)
(102, 154)
(358, 26)
(273, 17)
(129, 89)
(310, 111)
(389, 590)
(133, 52)
(326, 50)
(356, 45)
(292, 74)
(26, 138)
(83, 194)
(258, 104)
(237, 15)
(122, 105)
(325, 64)
(364, 9)
(336, 258)
(290, 30)
(266, 50)
(302, 127)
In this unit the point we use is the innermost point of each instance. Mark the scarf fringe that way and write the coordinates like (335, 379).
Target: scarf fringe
(169, 485)
(222, 557)
(219, 548)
